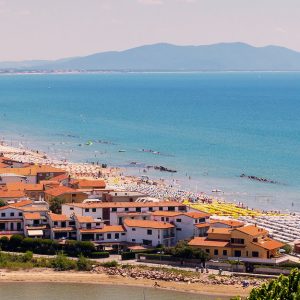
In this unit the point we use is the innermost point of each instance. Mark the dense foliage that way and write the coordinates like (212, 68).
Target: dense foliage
(283, 288)
(18, 243)
(55, 204)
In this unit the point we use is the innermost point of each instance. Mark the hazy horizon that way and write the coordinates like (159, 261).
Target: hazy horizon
(34, 30)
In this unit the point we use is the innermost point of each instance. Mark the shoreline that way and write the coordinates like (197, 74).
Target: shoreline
(50, 276)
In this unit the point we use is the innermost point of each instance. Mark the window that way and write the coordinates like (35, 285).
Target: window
(97, 224)
(216, 252)
(149, 232)
(150, 208)
(196, 221)
(71, 208)
(237, 253)
(12, 214)
(133, 229)
(207, 250)
(161, 208)
(117, 236)
(178, 220)
(255, 254)
(123, 233)
(109, 236)
(255, 240)
(138, 209)
(171, 208)
(181, 208)
(202, 220)
(20, 214)
(225, 252)
(114, 209)
(71, 223)
(87, 210)
(2, 214)
(237, 241)
(178, 229)
(167, 219)
(163, 218)
(133, 240)
(55, 223)
(126, 209)
(94, 210)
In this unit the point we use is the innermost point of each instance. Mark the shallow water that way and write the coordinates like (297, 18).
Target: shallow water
(63, 291)
(209, 126)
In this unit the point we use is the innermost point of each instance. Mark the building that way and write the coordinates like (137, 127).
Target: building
(185, 222)
(122, 196)
(68, 194)
(61, 226)
(150, 233)
(114, 213)
(246, 242)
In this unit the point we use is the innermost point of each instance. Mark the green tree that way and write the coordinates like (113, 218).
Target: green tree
(2, 203)
(55, 204)
(282, 288)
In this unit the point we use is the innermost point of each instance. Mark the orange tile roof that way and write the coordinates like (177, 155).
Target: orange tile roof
(85, 219)
(147, 224)
(22, 203)
(202, 225)
(126, 204)
(269, 244)
(60, 190)
(60, 177)
(231, 223)
(197, 215)
(33, 208)
(20, 186)
(11, 194)
(112, 228)
(57, 217)
(83, 183)
(161, 213)
(32, 216)
(59, 229)
(252, 230)
(225, 231)
(33, 170)
(200, 241)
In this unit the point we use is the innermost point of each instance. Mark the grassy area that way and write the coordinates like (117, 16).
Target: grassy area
(27, 261)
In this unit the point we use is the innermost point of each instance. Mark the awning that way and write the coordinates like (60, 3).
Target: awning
(35, 233)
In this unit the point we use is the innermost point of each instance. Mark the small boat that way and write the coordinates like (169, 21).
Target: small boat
(89, 143)
(122, 150)
(216, 191)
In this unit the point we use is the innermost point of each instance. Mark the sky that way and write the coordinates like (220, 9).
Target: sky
(52, 29)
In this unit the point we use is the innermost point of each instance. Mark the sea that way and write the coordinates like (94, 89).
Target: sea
(66, 291)
(209, 127)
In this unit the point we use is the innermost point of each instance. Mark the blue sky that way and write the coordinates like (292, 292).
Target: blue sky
(50, 29)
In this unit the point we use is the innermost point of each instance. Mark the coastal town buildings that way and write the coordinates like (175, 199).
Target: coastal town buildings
(109, 217)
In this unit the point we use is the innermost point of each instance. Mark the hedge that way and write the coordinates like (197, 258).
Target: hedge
(128, 255)
(18, 243)
(99, 254)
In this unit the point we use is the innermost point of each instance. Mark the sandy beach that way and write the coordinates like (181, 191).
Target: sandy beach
(47, 275)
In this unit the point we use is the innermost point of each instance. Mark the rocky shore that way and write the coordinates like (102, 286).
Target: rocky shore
(176, 276)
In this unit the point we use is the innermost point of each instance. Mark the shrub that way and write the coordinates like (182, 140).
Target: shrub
(283, 288)
(4, 243)
(110, 264)
(15, 242)
(99, 255)
(128, 255)
(28, 256)
(83, 264)
(62, 263)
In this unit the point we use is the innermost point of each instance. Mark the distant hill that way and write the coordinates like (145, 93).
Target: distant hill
(167, 57)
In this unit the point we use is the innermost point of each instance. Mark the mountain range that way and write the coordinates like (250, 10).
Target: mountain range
(168, 57)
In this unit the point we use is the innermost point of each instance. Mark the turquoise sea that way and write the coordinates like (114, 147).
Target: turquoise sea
(210, 127)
